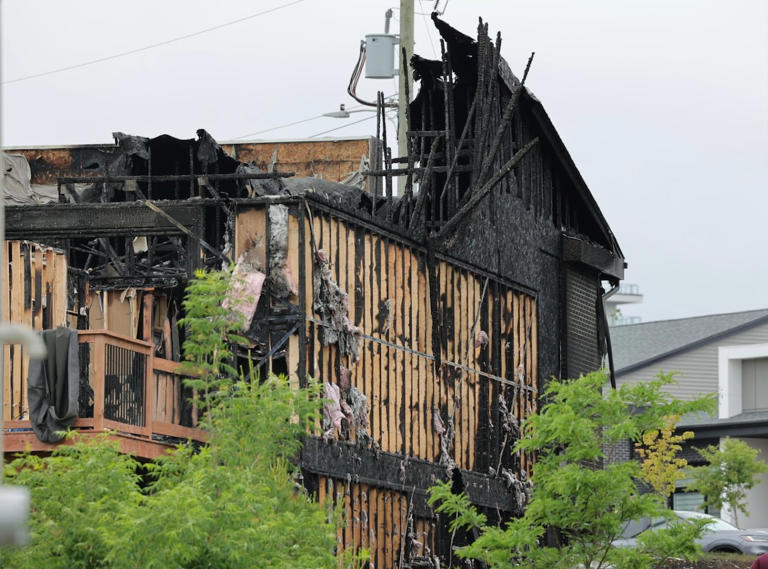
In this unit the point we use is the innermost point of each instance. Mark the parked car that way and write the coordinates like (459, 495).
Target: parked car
(719, 535)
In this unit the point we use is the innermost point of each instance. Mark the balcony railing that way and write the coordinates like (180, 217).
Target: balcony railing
(124, 389)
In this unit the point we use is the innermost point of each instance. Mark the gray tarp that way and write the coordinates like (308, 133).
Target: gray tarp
(17, 188)
(53, 387)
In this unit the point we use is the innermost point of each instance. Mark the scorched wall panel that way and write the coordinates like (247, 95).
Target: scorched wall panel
(430, 344)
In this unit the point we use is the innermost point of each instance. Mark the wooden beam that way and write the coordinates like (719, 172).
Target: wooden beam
(20, 441)
(480, 193)
(62, 221)
(384, 470)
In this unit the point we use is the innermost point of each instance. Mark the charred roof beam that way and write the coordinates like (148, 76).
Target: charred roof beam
(66, 221)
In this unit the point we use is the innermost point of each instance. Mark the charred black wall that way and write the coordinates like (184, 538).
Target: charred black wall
(504, 236)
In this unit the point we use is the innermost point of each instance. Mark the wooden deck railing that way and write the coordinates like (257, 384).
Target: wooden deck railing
(135, 394)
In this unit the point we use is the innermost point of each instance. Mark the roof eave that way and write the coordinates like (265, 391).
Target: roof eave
(696, 344)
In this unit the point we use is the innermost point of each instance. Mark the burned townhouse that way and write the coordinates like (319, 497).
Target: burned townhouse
(433, 315)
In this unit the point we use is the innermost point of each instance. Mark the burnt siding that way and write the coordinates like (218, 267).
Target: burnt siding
(528, 210)
(581, 295)
(523, 249)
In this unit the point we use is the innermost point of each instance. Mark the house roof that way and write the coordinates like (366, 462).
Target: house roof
(747, 424)
(638, 345)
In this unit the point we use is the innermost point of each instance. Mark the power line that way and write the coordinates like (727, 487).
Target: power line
(343, 126)
(286, 125)
(154, 45)
(277, 127)
(426, 27)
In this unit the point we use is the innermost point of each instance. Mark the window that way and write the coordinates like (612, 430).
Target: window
(754, 384)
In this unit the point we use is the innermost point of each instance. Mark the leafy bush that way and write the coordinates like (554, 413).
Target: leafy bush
(576, 496)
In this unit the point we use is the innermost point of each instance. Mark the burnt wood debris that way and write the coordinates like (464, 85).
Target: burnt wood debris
(433, 317)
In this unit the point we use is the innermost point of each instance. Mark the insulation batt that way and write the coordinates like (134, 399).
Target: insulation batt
(332, 413)
(340, 414)
(332, 304)
(281, 281)
(245, 290)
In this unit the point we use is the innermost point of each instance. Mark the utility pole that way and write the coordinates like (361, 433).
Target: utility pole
(406, 42)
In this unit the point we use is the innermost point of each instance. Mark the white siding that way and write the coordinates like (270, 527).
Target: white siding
(697, 367)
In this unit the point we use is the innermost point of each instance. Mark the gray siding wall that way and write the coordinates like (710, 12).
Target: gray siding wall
(697, 367)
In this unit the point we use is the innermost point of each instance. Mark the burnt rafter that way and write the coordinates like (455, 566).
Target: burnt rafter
(475, 129)
(461, 138)
(45, 222)
(166, 168)
(150, 212)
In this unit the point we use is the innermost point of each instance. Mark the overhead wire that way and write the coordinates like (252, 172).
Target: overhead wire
(426, 26)
(373, 116)
(308, 119)
(277, 127)
(152, 46)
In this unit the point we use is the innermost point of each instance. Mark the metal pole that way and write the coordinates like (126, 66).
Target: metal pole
(3, 269)
(406, 82)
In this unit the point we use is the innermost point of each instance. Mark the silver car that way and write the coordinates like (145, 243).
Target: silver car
(719, 535)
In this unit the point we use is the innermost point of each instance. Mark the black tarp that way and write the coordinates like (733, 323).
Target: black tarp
(53, 387)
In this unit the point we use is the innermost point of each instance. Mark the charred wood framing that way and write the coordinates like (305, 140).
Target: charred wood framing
(411, 476)
(97, 220)
(597, 257)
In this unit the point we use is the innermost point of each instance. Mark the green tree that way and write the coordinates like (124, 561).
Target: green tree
(211, 325)
(732, 469)
(586, 501)
(234, 503)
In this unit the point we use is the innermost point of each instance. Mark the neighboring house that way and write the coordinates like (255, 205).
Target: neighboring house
(433, 318)
(726, 354)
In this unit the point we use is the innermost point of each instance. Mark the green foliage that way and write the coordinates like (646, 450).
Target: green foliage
(732, 469)
(588, 503)
(76, 494)
(211, 326)
(235, 503)
(676, 540)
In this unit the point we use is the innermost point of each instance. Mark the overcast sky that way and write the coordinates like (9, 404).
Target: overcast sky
(663, 104)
